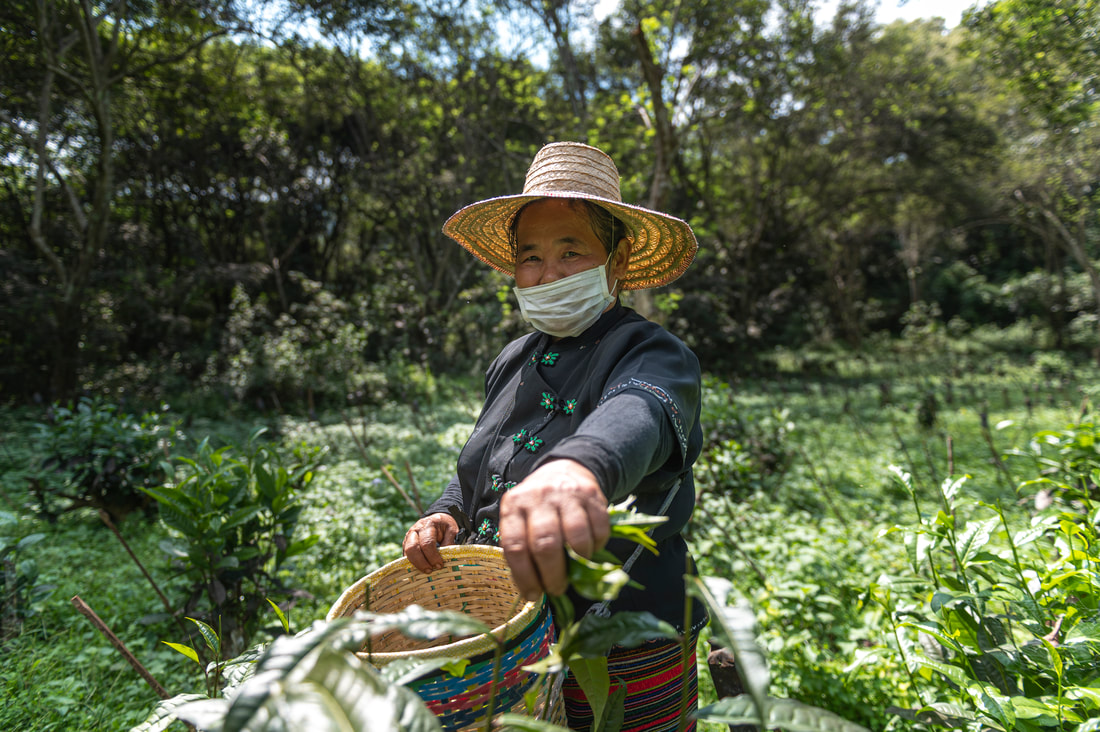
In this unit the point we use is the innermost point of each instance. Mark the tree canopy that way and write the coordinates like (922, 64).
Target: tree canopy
(213, 187)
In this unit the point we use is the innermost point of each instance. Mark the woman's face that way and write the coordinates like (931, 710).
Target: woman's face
(555, 239)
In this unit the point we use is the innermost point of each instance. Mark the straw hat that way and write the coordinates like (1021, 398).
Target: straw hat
(662, 246)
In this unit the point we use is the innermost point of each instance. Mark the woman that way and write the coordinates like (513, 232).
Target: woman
(598, 404)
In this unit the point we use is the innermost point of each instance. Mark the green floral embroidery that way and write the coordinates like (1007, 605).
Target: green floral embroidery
(519, 436)
(497, 481)
(496, 536)
(549, 359)
(485, 528)
(548, 401)
(509, 485)
(570, 406)
(533, 444)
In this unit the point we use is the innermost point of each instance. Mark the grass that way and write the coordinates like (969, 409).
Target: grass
(801, 535)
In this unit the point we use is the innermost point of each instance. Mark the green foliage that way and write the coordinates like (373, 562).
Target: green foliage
(94, 455)
(20, 590)
(998, 624)
(316, 673)
(313, 353)
(803, 568)
(234, 511)
(217, 153)
(744, 453)
(313, 671)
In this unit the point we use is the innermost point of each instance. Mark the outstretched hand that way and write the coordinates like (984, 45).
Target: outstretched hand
(422, 541)
(560, 504)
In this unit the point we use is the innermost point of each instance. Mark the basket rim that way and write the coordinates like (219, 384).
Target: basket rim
(465, 648)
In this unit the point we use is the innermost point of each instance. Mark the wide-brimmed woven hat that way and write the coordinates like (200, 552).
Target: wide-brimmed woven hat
(662, 246)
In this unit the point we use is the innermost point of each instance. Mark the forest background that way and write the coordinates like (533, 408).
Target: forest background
(218, 217)
(196, 195)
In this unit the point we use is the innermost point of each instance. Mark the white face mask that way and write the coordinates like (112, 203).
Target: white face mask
(566, 307)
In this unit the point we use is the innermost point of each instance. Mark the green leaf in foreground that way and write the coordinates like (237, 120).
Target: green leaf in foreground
(784, 714)
(281, 615)
(596, 635)
(735, 628)
(593, 637)
(212, 641)
(404, 671)
(185, 650)
(308, 673)
(416, 622)
(595, 580)
(591, 676)
(626, 523)
(164, 714)
(528, 724)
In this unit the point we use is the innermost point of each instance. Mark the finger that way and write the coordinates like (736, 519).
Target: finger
(450, 534)
(546, 545)
(414, 553)
(513, 540)
(429, 548)
(598, 523)
(577, 530)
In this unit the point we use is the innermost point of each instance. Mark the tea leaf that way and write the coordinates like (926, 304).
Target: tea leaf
(591, 676)
(523, 723)
(403, 671)
(332, 685)
(164, 714)
(975, 537)
(205, 714)
(185, 650)
(416, 622)
(595, 580)
(208, 634)
(735, 628)
(954, 673)
(596, 635)
(279, 613)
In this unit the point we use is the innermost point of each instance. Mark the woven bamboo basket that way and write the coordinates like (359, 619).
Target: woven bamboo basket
(475, 579)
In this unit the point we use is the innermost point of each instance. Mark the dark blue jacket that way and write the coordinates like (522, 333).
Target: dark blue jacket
(622, 399)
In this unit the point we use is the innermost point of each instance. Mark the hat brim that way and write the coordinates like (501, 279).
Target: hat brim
(662, 246)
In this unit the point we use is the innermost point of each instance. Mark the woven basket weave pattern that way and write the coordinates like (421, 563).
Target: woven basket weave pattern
(475, 580)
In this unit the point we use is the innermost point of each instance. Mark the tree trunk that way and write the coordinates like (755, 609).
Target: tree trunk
(665, 153)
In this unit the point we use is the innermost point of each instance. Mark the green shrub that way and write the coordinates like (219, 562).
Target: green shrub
(20, 591)
(234, 512)
(97, 456)
(312, 354)
(742, 453)
(1024, 336)
(999, 625)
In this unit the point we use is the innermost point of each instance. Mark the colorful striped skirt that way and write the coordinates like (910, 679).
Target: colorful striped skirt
(655, 676)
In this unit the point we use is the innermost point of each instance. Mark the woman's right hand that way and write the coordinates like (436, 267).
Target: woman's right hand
(423, 540)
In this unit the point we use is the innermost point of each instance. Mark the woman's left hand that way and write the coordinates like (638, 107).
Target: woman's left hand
(558, 505)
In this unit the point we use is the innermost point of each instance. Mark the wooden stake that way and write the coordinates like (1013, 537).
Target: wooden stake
(87, 612)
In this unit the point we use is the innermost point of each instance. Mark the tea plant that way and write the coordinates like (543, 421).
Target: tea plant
(999, 624)
(234, 512)
(95, 455)
(315, 676)
(20, 590)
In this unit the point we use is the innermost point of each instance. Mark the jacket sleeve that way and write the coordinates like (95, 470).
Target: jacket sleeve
(624, 440)
(644, 432)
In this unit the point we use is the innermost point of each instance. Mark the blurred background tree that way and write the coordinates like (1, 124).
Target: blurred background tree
(190, 187)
